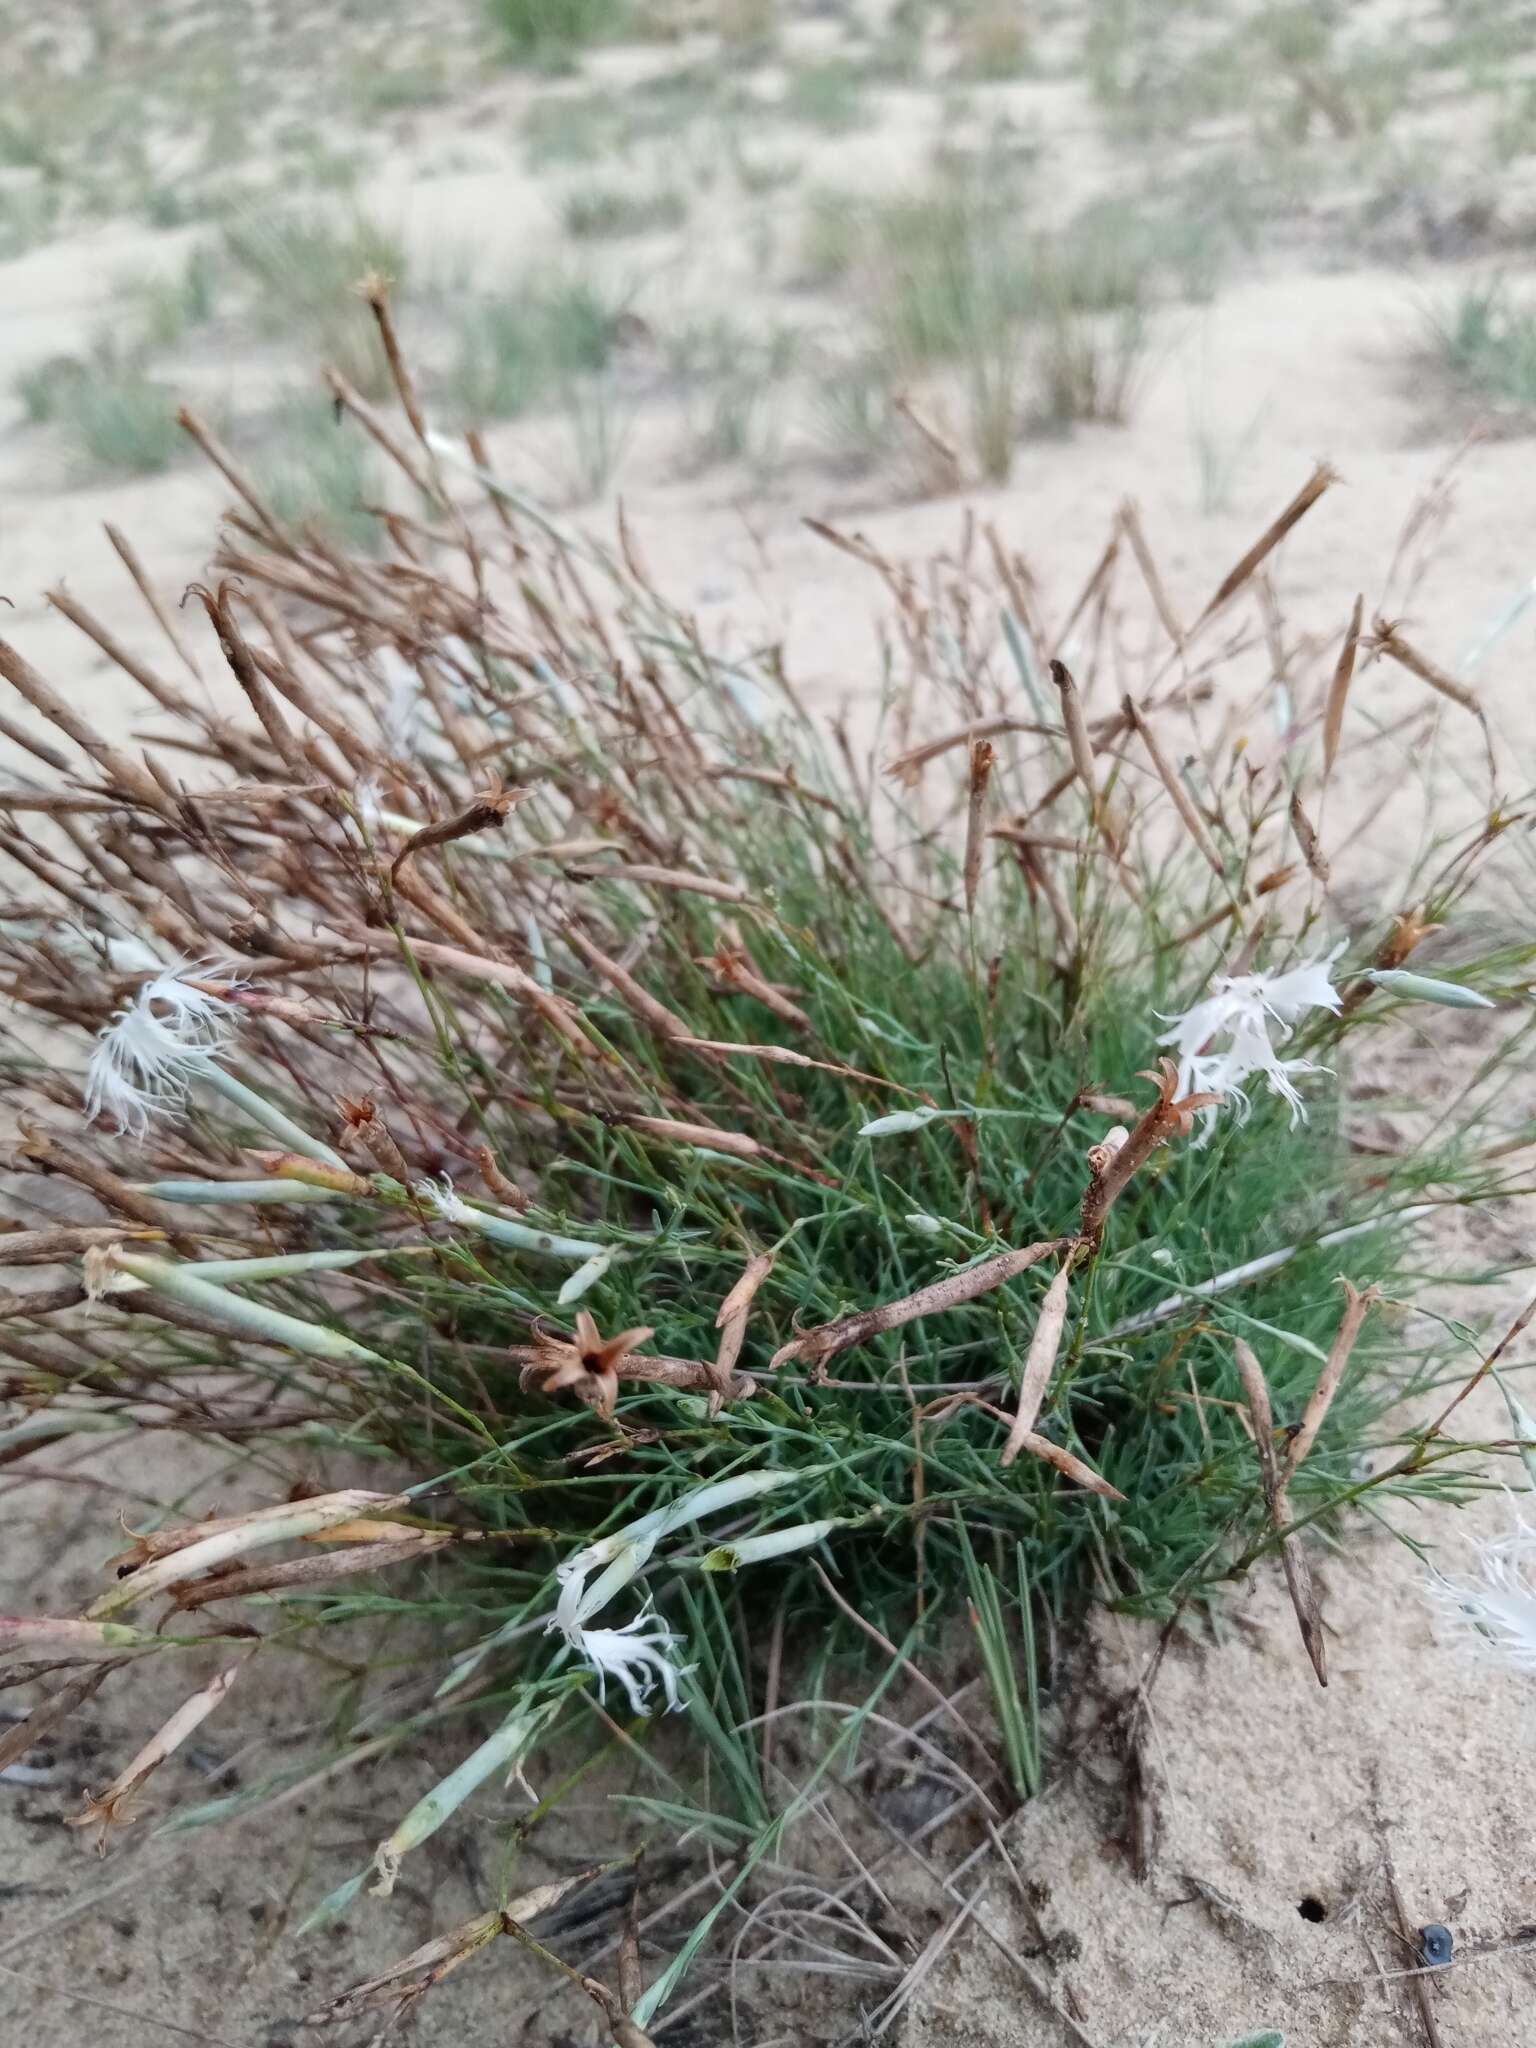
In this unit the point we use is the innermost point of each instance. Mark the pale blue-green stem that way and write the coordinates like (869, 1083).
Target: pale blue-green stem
(272, 1119)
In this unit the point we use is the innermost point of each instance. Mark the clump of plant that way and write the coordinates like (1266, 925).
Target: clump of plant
(548, 31)
(302, 268)
(526, 345)
(114, 417)
(321, 476)
(747, 1198)
(607, 212)
(1487, 339)
(828, 95)
(1035, 329)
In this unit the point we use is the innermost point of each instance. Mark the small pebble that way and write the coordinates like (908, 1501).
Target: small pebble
(1435, 1944)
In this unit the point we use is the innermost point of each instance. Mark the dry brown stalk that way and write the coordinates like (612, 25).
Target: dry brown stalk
(1167, 1118)
(1043, 1347)
(108, 1809)
(484, 813)
(786, 1056)
(561, 1016)
(124, 774)
(30, 744)
(645, 1006)
(221, 614)
(1306, 838)
(375, 289)
(1098, 581)
(200, 432)
(1357, 1306)
(737, 1143)
(1077, 730)
(1298, 1574)
(65, 1241)
(168, 698)
(828, 1339)
(1338, 689)
(314, 1173)
(240, 1582)
(1038, 877)
(662, 878)
(372, 423)
(733, 964)
(128, 555)
(906, 767)
(1183, 803)
(731, 1322)
(409, 1980)
(412, 887)
(1045, 842)
(1067, 1465)
(362, 1129)
(52, 1712)
(1314, 487)
(776, 778)
(1038, 1446)
(1131, 526)
(982, 758)
(1390, 642)
(282, 669)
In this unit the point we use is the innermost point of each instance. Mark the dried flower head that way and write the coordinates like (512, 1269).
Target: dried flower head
(147, 1057)
(588, 1363)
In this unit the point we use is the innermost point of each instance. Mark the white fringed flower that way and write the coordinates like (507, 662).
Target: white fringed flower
(1250, 1012)
(450, 1206)
(147, 1057)
(369, 799)
(1496, 1608)
(643, 1649)
(637, 1654)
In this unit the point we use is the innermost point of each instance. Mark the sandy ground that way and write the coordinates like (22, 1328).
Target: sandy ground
(1269, 1794)
(1278, 1808)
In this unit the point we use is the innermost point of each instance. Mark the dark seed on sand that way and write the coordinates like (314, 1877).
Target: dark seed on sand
(1435, 1945)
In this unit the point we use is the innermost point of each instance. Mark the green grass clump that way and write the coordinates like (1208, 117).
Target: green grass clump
(117, 420)
(1487, 338)
(321, 476)
(829, 96)
(609, 212)
(541, 30)
(569, 128)
(853, 417)
(301, 269)
(170, 305)
(514, 349)
(993, 39)
(43, 388)
(1036, 329)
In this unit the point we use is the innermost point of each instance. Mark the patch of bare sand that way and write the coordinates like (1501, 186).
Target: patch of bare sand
(1277, 1805)
(191, 1935)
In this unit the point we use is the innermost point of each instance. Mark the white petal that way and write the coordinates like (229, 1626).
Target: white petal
(1497, 1608)
(144, 1060)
